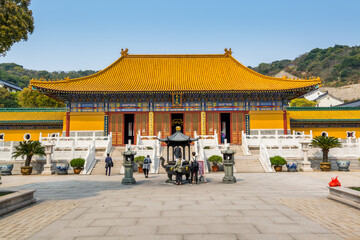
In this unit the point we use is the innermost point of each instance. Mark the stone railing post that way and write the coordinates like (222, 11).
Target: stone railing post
(305, 166)
(49, 149)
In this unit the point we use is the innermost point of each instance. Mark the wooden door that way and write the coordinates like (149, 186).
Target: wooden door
(116, 127)
(237, 123)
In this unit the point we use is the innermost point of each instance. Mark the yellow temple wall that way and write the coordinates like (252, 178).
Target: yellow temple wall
(332, 131)
(268, 120)
(85, 121)
(18, 134)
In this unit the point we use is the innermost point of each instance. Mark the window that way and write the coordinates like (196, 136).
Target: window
(2, 136)
(350, 134)
(27, 136)
(324, 134)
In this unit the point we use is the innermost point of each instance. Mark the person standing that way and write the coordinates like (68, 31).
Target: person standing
(146, 166)
(194, 167)
(178, 171)
(108, 164)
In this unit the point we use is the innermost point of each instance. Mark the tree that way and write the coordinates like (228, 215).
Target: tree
(28, 149)
(28, 98)
(302, 102)
(16, 22)
(7, 99)
(325, 143)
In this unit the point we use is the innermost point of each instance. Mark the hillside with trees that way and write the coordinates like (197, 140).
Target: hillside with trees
(17, 74)
(336, 66)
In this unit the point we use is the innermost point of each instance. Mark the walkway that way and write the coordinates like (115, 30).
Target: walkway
(259, 206)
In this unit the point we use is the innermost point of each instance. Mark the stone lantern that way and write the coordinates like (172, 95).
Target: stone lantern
(129, 167)
(49, 149)
(228, 162)
(305, 166)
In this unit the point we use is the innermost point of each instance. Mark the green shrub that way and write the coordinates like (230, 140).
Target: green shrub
(140, 160)
(215, 159)
(207, 147)
(277, 161)
(77, 163)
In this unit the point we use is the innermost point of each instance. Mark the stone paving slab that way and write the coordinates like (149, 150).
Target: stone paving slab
(340, 219)
(25, 222)
(258, 206)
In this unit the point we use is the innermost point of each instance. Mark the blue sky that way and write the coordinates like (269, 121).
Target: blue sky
(89, 34)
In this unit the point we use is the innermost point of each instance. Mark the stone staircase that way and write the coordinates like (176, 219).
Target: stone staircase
(247, 163)
(99, 168)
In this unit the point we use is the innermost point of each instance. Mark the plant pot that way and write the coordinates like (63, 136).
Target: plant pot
(62, 168)
(325, 166)
(343, 165)
(6, 169)
(291, 166)
(215, 168)
(140, 170)
(77, 170)
(26, 170)
(278, 168)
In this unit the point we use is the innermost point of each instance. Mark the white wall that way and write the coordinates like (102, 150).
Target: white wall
(328, 101)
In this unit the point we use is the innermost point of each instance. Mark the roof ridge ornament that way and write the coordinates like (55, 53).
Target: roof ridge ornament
(228, 52)
(124, 53)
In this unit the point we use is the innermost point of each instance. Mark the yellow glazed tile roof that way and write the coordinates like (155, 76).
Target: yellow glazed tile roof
(337, 114)
(177, 73)
(31, 116)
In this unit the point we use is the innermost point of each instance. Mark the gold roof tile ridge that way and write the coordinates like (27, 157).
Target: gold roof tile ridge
(176, 56)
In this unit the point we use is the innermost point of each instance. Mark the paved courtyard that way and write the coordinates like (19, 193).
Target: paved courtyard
(258, 206)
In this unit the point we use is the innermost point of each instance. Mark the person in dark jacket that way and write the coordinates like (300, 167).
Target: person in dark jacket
(194, 167)
(146, 166)
(108, 164)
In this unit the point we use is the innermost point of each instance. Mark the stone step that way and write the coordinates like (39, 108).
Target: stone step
(248, 164)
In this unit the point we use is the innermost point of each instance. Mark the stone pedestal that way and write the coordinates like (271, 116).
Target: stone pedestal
(228, 162)
(305, 165)
(49, 149)
(128, 167)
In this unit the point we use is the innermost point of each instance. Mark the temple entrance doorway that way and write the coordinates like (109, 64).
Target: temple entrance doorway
(177, 119)
(129, 128)
(225, 127)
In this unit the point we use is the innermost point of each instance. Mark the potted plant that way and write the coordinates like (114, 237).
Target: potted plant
(77, 164)
(28, 149)
(140, 162)
(215, 159)
(325, 143)
(278, 162)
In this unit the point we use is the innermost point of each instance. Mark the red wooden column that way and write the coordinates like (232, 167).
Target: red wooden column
(285, 122)
(67, 124)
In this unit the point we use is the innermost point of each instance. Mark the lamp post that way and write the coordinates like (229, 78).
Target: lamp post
(305, 166)
(49, 149)
(129, 167)
(228, 162)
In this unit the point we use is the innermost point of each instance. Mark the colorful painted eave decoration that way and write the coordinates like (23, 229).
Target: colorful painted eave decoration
(323, 120)
(215, 73)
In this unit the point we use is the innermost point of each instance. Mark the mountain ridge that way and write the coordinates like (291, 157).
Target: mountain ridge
(336, 66)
